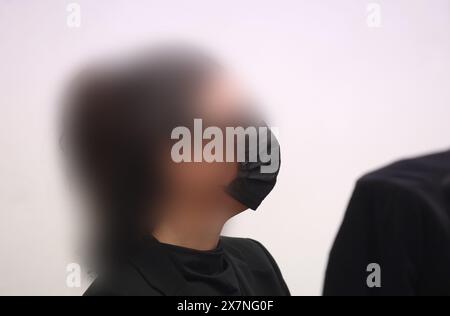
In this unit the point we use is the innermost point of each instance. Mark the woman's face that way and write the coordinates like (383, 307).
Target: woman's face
(219, 102)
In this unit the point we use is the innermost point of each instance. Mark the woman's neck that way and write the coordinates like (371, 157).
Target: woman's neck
(190, 227)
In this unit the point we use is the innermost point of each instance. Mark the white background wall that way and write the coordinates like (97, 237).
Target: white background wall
(347, 98)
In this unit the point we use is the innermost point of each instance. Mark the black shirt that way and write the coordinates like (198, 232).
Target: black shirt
(398, 218)
(204, 271)
(237, 267)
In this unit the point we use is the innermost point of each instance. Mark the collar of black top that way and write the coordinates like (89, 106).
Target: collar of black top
(155, 266)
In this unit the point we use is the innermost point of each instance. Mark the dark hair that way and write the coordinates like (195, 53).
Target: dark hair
(117, 119)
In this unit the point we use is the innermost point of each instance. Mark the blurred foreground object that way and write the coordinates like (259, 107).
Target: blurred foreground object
(399, 220)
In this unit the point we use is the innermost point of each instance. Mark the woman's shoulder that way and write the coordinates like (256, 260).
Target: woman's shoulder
(241, 243)
(122, 281)
(249, 250)
(256, 258)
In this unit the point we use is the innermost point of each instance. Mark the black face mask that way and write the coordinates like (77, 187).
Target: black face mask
(254, 183)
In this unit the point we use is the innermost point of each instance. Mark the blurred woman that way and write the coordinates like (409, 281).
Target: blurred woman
(159, 222)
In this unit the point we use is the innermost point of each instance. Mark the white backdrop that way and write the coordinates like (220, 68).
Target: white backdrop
(346, 97)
